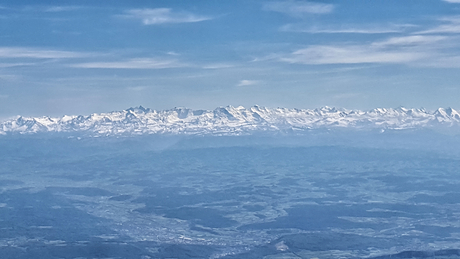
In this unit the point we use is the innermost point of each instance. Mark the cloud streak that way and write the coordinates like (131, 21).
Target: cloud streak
(4, 65)
(18, 52)
(138, 63)
(348, 55)
(218, 66)
(298, 9)
(407, 49)
(345, 29)
(409, 41)
(247, 82)
(55, 9)
(452, 26)
(163, 15)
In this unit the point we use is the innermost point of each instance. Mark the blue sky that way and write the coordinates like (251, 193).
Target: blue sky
(80, 57)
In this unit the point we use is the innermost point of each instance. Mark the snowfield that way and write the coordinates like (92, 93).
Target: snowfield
(232, 121)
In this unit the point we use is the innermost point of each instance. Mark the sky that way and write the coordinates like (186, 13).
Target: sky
(79, 57)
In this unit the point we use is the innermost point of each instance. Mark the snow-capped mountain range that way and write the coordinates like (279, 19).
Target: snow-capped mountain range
(231, 121)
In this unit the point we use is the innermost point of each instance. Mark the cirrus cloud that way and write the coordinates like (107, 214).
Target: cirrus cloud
(136, 63)
(412, 40)
(247, 82)
(299, 9)
(348, 55)
(351, 29)
(20, 52)
(55, 9)
(451, 26)
(416, 50)
(163, 15)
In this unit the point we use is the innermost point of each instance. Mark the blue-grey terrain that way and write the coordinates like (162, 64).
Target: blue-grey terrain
(318, 192)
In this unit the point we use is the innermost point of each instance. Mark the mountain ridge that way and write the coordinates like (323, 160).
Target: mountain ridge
(231, 120)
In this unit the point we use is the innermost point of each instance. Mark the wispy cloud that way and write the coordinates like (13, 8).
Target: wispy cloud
(425, 50)
(373, 29)
(138, 63)
(218, 66)
(247, 82)
(173, 53)
(299, 9)
(3, 65)
(452, 25)
(163, 15)
(349, 55)
(452, 1)
(17, 52)
(55, 9)
(413, 40)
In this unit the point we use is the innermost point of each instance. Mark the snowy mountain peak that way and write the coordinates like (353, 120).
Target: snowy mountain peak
(138, 109)
(231, 120)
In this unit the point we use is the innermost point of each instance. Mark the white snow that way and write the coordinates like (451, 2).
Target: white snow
(232, 120)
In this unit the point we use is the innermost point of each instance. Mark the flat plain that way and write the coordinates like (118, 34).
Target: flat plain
(150, 197)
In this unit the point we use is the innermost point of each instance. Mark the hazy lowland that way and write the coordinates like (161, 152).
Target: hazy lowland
(321, 194)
